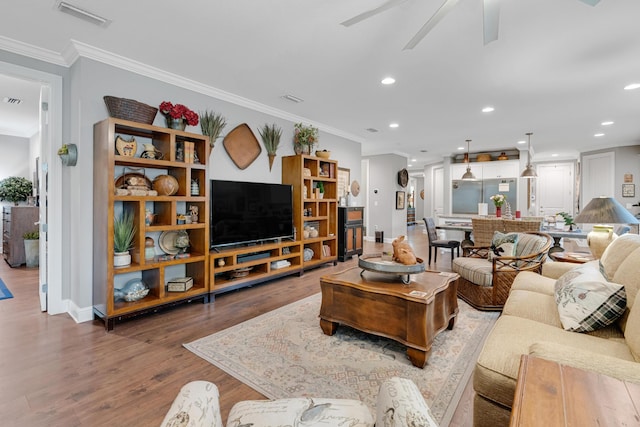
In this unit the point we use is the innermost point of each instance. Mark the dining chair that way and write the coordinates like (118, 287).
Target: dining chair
(436, 243)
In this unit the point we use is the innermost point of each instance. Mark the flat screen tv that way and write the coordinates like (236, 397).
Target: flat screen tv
(249, 212)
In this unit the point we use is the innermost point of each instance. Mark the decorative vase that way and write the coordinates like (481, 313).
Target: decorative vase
(179, 124)
(306, 149)
(271, 159)
(32, 252)
(599, 238)
(498, 211)
(297, 148)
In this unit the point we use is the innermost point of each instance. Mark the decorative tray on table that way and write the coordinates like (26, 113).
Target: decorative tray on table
(380, 263)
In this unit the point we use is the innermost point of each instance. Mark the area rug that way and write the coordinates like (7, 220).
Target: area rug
(5, 293)
(284, 353)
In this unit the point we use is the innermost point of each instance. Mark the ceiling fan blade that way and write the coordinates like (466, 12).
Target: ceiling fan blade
(431, 23)
(491, 22)
(590, 2)
(368, 14)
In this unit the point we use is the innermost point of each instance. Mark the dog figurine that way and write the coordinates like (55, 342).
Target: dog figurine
(402, 252)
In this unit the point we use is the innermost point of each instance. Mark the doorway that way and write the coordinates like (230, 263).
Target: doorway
(50, 185)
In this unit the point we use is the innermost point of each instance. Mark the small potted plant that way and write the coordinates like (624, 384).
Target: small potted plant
(320, 187)
(304, 138)
(271, 138)
(124, 231)
(15, 189)
(178, 116)
(212, 124)
(568, 220)
(32, 248)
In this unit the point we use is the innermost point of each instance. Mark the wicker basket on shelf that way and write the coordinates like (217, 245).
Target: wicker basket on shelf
(130, 109)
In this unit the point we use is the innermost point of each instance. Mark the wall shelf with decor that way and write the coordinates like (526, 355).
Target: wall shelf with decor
(171, 239)
(315, 206)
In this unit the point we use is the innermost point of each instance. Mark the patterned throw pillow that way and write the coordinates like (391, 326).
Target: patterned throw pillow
(586, 301)
(503, 245)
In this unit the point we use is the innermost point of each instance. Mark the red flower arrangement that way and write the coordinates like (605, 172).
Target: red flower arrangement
(179, 111)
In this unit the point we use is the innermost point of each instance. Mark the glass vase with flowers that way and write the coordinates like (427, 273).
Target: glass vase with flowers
(178, 116)
(498, 200)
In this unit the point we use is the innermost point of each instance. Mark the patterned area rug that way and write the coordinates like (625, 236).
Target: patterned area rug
(284, 353)
(5, 293)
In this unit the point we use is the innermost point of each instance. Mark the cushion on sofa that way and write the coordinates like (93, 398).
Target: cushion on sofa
(503, 244)
(530, 281)
(586, 301)
(587, 360)
(529, 244)
(400, 403)
(475, 270)
(300, 411)
(533, 306)
(497, 366)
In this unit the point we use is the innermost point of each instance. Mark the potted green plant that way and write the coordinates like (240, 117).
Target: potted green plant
(304, 138)
(124, 231)
(271, 138)
(212, 124)
(320, 187)
(568, 220)
(15, 189)
(32, 248)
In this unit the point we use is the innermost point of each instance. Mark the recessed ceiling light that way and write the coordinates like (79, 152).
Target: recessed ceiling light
(522, 141)
(598, 135)
(460, 148)
(632, 86)
(388, 81)
(609, 123)
(394, 125)
(554, 155)
(413, 160)
(488, 109)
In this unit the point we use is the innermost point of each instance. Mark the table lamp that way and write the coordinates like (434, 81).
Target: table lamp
(603, 211)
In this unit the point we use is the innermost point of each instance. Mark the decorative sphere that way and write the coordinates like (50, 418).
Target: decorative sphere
(166, 185)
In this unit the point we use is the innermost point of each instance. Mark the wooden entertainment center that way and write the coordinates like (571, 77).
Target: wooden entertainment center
(212, 271)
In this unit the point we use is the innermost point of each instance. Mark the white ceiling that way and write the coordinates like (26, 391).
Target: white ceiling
(558, 68)
(19, 119)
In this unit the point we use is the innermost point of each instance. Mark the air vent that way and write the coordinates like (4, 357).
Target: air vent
(292, 98)
(372, 130)
(13, 101)
(80, 13)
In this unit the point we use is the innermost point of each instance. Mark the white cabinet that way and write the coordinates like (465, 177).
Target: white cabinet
(487, 170)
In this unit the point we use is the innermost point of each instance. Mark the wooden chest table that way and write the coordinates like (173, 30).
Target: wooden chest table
(549, 394)
(381, 304)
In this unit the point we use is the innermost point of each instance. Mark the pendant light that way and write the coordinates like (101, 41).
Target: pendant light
(529, 171)
(468, 175)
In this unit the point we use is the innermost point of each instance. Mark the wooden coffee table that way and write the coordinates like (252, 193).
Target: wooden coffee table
(381, 304)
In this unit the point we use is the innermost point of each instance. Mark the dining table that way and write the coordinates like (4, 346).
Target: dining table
(555, 233)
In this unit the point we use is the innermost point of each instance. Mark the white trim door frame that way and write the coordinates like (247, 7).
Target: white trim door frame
(51, 165)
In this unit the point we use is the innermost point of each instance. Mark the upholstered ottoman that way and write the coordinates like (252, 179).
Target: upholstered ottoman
(399, 404)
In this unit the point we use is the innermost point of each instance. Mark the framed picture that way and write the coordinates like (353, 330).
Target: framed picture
(628, 190)
(343, 181)
(400, 195)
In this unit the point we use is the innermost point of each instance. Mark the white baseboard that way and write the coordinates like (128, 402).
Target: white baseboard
(80, 314)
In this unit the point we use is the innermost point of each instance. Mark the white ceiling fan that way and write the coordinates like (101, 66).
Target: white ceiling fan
(491, 18)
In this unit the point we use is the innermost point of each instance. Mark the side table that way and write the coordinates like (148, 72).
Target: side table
(549, 394)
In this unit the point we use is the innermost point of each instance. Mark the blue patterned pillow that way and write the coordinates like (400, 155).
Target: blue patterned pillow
(503, 245)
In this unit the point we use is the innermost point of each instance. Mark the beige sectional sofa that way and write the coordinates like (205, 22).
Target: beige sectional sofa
(530, 324)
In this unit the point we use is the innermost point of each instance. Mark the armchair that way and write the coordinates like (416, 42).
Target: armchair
(485, 284)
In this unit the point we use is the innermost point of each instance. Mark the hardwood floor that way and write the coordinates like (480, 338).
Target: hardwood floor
(54, 372)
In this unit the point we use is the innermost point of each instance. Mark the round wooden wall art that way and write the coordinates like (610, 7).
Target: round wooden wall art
(422, 194)
(355, 188)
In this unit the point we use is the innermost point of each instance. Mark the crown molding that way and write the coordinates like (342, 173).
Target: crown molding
(31, 51)
(76, 49)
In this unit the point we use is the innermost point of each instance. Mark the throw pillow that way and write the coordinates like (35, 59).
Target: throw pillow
(503, 245)
(587, 301)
